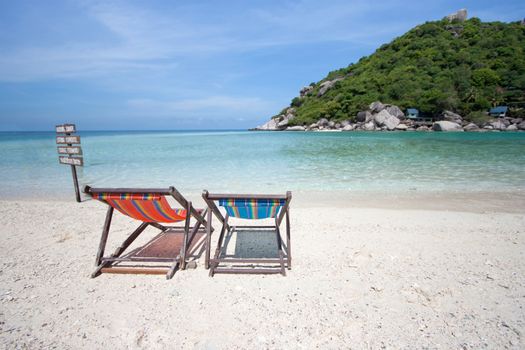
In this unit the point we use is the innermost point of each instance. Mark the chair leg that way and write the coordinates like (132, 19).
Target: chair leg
(185, 239)
(173, 268)
(208, 240)
(103, 241)
(280, 248)
(288, 240)
(218, 249)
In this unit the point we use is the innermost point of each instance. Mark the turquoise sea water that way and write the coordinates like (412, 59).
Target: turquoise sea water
(242, 161)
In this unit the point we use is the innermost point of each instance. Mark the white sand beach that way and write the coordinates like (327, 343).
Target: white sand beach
(428, 274)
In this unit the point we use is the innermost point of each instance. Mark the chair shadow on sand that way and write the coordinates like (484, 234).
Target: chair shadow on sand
(167, 245)
(250, 244)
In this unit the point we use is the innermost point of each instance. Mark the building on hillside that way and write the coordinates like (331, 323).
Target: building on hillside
(499, 112)
(419, 118)
(412, 113)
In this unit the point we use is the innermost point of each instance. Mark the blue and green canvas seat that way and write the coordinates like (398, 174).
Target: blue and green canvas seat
(248, 207)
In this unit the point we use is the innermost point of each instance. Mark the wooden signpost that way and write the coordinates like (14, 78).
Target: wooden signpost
(69, 154)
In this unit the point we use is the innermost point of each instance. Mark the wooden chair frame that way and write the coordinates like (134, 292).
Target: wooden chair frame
(284, 213)
(105, 263)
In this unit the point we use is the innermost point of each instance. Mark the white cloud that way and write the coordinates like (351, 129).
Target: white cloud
(213, 104)
(142, 40)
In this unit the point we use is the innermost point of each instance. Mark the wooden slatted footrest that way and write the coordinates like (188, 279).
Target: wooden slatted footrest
(135, 270)
(250, 271)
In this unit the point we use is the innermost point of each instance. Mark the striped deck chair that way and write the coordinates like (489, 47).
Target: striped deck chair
(150, 207)
(250, 207)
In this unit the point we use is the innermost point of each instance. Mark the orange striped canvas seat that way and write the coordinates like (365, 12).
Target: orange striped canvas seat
(148, 207)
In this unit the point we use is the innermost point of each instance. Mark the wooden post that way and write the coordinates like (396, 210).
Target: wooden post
(75, 182)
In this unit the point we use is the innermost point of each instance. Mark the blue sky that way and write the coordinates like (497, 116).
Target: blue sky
(109, 65)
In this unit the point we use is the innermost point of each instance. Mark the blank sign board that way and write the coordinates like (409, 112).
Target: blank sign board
(68, 139)
(65, 128)
(71, 160)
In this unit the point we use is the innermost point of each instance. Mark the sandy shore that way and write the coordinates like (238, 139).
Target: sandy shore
(431, 274)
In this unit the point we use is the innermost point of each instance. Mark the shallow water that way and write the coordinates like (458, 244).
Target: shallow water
(241, 161)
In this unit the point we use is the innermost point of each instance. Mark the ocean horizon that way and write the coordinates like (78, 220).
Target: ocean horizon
(245, 161)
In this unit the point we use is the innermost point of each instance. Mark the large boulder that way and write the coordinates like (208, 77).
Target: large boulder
(364, 116)
(512, 127)
(369, 126)
(323, 122)
(295, 128)
(306, 90)
(452, 117)
(395, 111)
(386, 120)
(327, 85)
(270, 125)
(445, 125)
(348, 127)
(471, 127)
(460, 15)
(498, 125)
(401, 127)
(376, 107)
(521, 126)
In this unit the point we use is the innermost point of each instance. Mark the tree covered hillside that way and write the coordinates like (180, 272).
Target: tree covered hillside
(459, 66)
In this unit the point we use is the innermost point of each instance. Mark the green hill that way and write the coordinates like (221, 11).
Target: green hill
(462, 66)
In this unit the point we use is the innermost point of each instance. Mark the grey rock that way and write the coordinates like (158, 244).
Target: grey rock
(395, 111)
(270, 125)
(460, 15)
(313, 126)
(423, 128)
(488, 127)
(401, 127)
(376, 107)
(452, 117)
(331, 124)
(364, 116)
(521, 126)
(323, 122)
(470, 127)
(379, 118)
(445, 125)
(345, 123)
(295, 128)
(516, 120)
(348, 127)
(386, 120)
(498, 125)
(306, 90)
(327, 85)
(369, 126)
(512, 127)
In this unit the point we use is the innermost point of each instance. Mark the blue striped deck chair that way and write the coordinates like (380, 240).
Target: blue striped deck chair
(248, 207)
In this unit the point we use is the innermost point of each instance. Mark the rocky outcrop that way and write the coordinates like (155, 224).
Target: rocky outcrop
(395, 111)
(386, 117)
(452, 117)
(327, 85)
(279, 122)
(444, 125)
(376, 107)
(296, 128)
(460, 15)
(306, 90)
(270, 125)
(471, 127)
